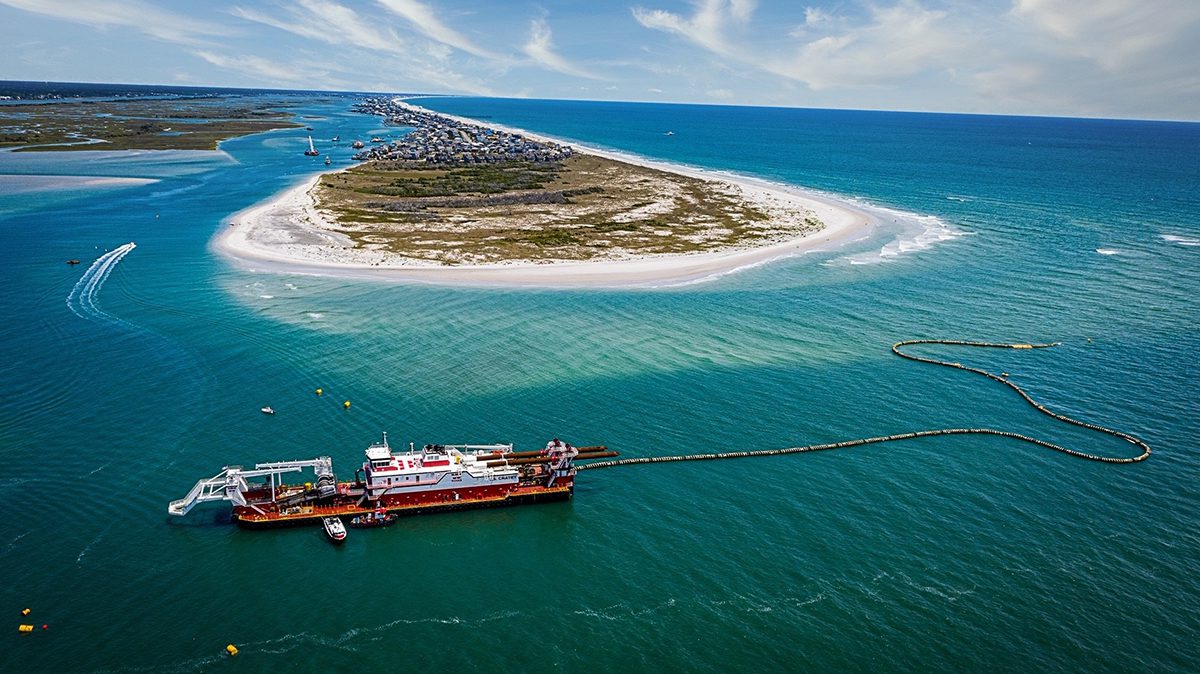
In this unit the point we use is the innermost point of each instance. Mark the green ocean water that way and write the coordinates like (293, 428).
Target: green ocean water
(942, 554)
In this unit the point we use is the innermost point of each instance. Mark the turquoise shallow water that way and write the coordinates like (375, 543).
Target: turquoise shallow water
(941, 554)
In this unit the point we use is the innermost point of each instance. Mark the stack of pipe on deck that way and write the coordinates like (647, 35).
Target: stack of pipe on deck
(497, 459)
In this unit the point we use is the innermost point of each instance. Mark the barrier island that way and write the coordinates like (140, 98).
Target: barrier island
(454, 200)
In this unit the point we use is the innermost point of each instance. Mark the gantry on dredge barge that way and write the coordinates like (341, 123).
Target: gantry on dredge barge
(438, 477)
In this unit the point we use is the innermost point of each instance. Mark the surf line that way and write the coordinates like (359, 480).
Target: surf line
(898, 349)
(82, 298)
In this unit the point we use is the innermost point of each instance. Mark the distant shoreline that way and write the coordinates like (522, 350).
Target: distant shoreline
(286, 233)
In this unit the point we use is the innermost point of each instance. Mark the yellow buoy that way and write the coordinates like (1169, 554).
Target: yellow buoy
(346, 404)
(320, 391)
(25, 611)
(25, 628)
(231, 650)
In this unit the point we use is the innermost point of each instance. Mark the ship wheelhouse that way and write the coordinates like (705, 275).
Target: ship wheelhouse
(433, 467)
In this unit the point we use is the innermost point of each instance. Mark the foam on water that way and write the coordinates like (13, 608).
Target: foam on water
(1180, 240)
(1108, 251)
(913, 233)
(82, 298)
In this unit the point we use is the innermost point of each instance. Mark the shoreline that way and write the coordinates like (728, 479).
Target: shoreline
(282, 234)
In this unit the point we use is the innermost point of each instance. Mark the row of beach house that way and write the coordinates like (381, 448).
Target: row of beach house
(439, 140)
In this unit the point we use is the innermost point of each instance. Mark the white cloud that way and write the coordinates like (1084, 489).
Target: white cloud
(1113, 33)
(263, 70)
(423, 18)
(158, 23)
(814, 17)
(1090, 57)
(722, 94)
(328, 22)
(540, 48)
(706, 27)
(895, 42)
(333, 23)
(742, 10)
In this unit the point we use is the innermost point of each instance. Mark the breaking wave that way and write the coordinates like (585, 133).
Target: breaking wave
(916, 233)
(82, 298)
(1108, 251)
(1180, 240)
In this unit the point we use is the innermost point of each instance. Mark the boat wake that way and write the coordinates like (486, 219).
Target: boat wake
(82, 299)
(13, 543)
(88, 548)
(1180, 240)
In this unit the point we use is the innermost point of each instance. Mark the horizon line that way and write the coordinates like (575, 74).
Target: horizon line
(601, 100)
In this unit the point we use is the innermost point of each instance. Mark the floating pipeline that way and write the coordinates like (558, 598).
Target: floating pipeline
(898, 349)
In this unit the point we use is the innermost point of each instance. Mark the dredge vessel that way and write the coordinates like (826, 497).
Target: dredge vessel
(438, 477)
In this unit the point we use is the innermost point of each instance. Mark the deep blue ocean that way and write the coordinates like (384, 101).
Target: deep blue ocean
(945, 554)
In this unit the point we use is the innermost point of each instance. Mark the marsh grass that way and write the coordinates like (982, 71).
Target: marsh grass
(584, 208)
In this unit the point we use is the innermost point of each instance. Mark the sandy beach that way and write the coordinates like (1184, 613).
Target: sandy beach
(288, 233)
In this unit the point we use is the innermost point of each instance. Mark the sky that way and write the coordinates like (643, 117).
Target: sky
(1078, 58)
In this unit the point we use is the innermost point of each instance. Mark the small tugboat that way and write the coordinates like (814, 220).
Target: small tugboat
(334, 529)
(328, 161)
(357, 145)
(379, 518)
(72, 262)
(268, 410)
(311, 151)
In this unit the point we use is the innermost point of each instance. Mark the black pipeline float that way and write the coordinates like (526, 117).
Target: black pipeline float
(898, 349)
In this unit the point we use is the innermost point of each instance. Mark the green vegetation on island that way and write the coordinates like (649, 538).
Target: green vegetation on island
(159, 124)
(582, 208)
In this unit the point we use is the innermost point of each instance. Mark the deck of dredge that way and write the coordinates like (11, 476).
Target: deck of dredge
(436, 478)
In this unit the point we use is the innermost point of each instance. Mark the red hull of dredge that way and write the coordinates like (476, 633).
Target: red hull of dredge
(437, 478)
(433, 503)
